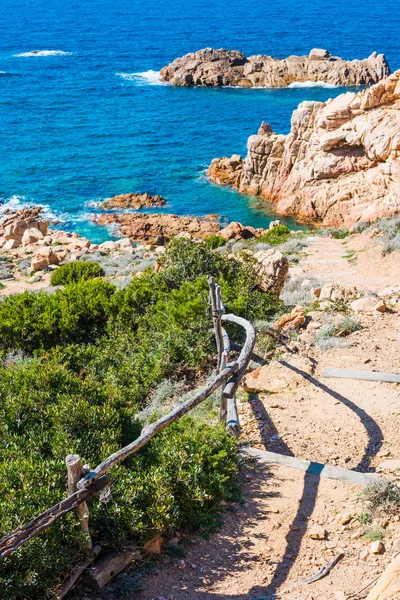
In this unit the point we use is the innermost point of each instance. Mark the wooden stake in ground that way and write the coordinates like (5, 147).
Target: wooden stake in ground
(75, 473)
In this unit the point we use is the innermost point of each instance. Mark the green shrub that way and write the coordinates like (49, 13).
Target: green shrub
(76, 271)
(78, 366)
(37, 320)
(374, 533)
(186, 261)
(340, 234)
(275, 236)
(173, 482)
(215, 241)
(335, 232)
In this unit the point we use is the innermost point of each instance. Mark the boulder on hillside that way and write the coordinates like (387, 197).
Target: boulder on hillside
(388, 585)
(271, 269)
(367, 304)
(43, 258)
(293, 320)
(237, 231)
(14, 226)
(335, 292)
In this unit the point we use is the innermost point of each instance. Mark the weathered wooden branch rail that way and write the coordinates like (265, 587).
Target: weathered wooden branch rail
(84, 483)
(21, 535)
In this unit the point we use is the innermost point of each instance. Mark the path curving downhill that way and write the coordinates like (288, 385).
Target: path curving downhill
(264, 549)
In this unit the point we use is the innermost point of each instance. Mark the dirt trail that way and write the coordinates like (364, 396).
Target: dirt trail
(352, 261)
(263, 549)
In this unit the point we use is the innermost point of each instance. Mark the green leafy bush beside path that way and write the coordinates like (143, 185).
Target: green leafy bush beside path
(77, 366)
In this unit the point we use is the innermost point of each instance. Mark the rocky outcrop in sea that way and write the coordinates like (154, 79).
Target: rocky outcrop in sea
(339, 164)
(136, 201)
(214, 68)
(160, 228)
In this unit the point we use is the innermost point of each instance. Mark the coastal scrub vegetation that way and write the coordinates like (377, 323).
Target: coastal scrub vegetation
(381, 494)
(76, 271)
(77, 368)
(215, 241)
(389, 230)
(275, 236)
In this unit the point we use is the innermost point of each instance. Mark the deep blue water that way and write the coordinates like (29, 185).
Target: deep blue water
(80, 127)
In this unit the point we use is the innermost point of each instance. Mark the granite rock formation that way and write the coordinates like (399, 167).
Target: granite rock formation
(214, 68)
(136, 201)
(237, 231)
(271, 269)
(22, 227)
(339, 164)
(159, 228)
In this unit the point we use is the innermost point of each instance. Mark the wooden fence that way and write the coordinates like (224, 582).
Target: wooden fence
(84, 483)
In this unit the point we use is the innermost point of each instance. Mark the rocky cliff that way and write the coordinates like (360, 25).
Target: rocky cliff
(339, 164)
(215, 68)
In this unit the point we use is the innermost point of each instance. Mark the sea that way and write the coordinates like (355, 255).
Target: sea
(84, 115)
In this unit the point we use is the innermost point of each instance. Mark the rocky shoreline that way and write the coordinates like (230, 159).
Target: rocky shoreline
(340, 163)
(30, 250)
(158, 229)
(214, 68)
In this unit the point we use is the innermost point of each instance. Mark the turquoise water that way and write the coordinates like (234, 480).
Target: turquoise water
(91, 120)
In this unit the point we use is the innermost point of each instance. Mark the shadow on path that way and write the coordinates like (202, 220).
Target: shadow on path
(298, 527)
(237, 560)
(374, 432)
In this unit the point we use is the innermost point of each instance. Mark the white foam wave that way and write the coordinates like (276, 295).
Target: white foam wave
(20, 202)
(96, 204)
(43, 53)
(311, 84)
(144, 78)
(14, 202)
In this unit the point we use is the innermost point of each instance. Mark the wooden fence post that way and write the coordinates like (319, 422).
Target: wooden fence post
(229, 390)
(75, 472)
(216, 315)
(220, 336)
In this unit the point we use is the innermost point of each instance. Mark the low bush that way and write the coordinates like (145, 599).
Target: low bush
(186, 261)
(215, 241)
(275, 236)
(173, 482)
(360, 226)
(381, 494)
(339, 234)
(297, 291)
(293, 246)
(374, 532)
(38, 320)
(336, 232)
(326, 336)
(392, 245)
(78, 367)
(76, 271)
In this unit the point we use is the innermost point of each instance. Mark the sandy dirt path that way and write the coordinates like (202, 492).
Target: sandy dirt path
(263, 550)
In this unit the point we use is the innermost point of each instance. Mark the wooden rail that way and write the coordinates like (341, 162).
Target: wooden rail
(83, 483)
(21, 535)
